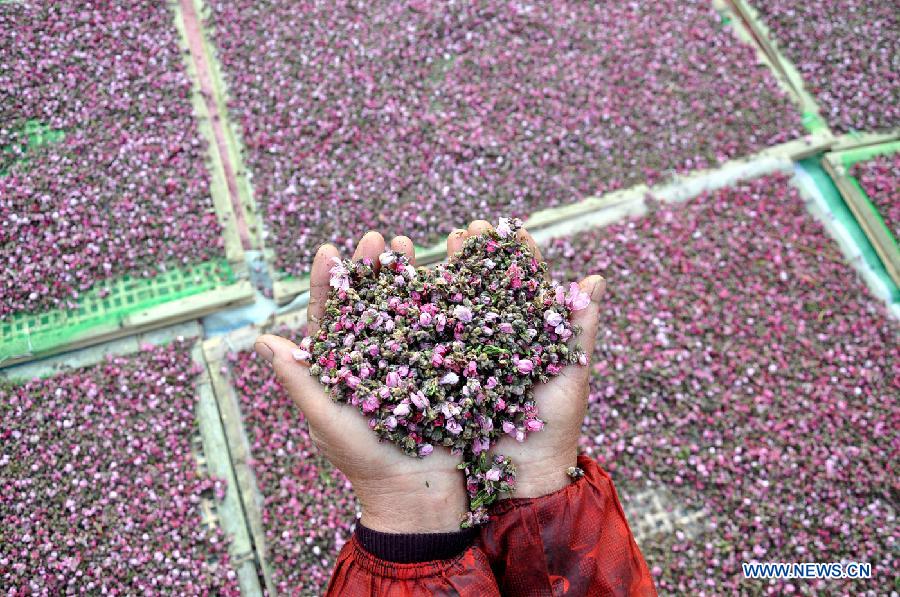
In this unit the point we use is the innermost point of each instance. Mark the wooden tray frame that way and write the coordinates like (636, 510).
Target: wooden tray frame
(753, 30)
(240, 292)
(209, 442)
(882, 241)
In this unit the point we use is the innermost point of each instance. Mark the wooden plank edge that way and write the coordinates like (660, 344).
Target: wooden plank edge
(284, 291)
(214, 351)
(769, 56)
(292, 321)
(230, 512)
(874, 230)
(851, 141)
(92, 355)
(173, 312)
(763, 35)
(239, 293)
(218, 187)
(233, 140)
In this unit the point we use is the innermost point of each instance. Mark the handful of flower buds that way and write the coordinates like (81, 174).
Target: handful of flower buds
(448, 356)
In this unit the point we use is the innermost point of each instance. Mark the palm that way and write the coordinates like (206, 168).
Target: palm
(561, 405)
(343, 435)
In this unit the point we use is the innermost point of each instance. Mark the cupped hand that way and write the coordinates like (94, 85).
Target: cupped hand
(544, 457)
(397, 493)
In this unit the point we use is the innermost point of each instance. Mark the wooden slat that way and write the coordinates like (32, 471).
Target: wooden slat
(218, 186)
(92, 355)
(230, 511)
(858, 140)
(239, 451)
(284, 291)
(774, 58)
(874, 229)
(233, 140)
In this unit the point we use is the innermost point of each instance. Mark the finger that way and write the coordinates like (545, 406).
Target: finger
(589, 317)
(319, 286)
(305, 390)
(402, 244)
(525, 237)
(479, 227)
(455, 241)
(370, 246)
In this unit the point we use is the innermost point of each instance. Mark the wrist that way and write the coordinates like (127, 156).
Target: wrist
(436, 504)
(537, 478)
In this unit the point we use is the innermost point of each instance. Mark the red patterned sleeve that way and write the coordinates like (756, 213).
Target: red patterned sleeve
(572, 542)
(357, 572)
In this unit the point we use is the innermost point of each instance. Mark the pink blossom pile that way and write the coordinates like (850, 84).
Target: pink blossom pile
(101, 493)
(448, 356)
(308, 506)
(742, 365)
(126, 190)
(880, 178)
(413, 117)
(848, 54)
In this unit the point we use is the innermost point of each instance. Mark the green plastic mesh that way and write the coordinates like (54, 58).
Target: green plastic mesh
(841, 212)
(106, 307)
(36, 134)
(813, 122)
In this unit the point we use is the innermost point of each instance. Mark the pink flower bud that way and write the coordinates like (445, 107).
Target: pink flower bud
(462, 313)
(552, 318)
(534, 424)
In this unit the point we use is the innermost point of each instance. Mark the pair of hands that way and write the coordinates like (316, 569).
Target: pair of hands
(400, 494)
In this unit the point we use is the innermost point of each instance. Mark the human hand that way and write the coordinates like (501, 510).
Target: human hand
(397, 493)
(543, 458)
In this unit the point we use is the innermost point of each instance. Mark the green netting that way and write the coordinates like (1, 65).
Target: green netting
(36, 134)
(106, 306)
(813, 122)
(39, 134)
(842, 214)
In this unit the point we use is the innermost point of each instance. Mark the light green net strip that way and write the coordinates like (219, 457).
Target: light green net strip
(813, 122)
(106, 307)
(37, 134)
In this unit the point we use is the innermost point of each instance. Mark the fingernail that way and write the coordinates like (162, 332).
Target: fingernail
(263, 350)
(599, 289)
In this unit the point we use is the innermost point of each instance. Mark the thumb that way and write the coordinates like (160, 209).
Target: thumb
(589, 317)
(303, 388)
